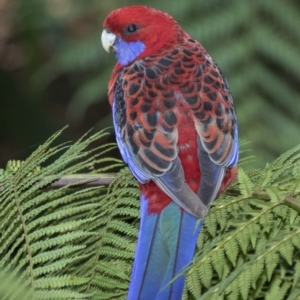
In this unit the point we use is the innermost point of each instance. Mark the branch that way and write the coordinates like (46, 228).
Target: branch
(292, 202)
(90, 180)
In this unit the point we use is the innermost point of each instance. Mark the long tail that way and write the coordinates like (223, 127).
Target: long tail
(166, 244)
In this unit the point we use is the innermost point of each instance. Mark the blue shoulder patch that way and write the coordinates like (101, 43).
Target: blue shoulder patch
(127, 52)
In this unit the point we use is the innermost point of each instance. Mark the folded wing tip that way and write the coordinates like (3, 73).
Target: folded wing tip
(199, 210)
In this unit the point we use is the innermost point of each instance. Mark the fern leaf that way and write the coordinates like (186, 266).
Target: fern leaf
(233, 290)
(211, 224)
(254, 233)
(217, 260)
(265, 178)
(59, 281)
(256, 270)
(113, 269)
(277, 291)
(243, 239)
(53, 267)
(271, 262)
(286, 250)
(221, 217)
(205, 273)
(193, 283)
(244, 282)
(60, 294)
(245, 184)
(55, 254)
(231, 250)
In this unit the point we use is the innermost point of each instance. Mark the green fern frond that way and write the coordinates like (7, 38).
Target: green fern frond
(259, 239)
(246, 186)
(45, 232)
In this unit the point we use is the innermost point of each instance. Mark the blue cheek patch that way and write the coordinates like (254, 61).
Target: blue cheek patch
(127, 52)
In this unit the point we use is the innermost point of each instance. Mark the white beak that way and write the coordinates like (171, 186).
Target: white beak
(108, 40)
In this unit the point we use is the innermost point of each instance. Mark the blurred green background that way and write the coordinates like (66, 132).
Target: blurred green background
(53, 70)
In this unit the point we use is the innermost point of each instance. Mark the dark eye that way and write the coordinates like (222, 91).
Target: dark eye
(131, 28)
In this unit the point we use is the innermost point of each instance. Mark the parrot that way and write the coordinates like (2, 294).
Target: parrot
(176, 129)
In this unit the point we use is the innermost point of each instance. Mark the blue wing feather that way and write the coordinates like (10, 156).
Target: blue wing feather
(212, 174)
(140, 174)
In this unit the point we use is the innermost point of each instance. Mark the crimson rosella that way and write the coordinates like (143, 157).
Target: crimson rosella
(176, 128)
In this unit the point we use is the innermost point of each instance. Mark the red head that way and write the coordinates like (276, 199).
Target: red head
(155, 29)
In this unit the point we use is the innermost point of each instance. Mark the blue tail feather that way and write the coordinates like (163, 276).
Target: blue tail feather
(166, 245)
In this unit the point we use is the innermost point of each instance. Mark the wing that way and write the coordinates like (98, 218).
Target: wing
(214, 118)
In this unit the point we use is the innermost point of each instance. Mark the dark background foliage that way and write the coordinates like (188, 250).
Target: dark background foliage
(53, 70)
